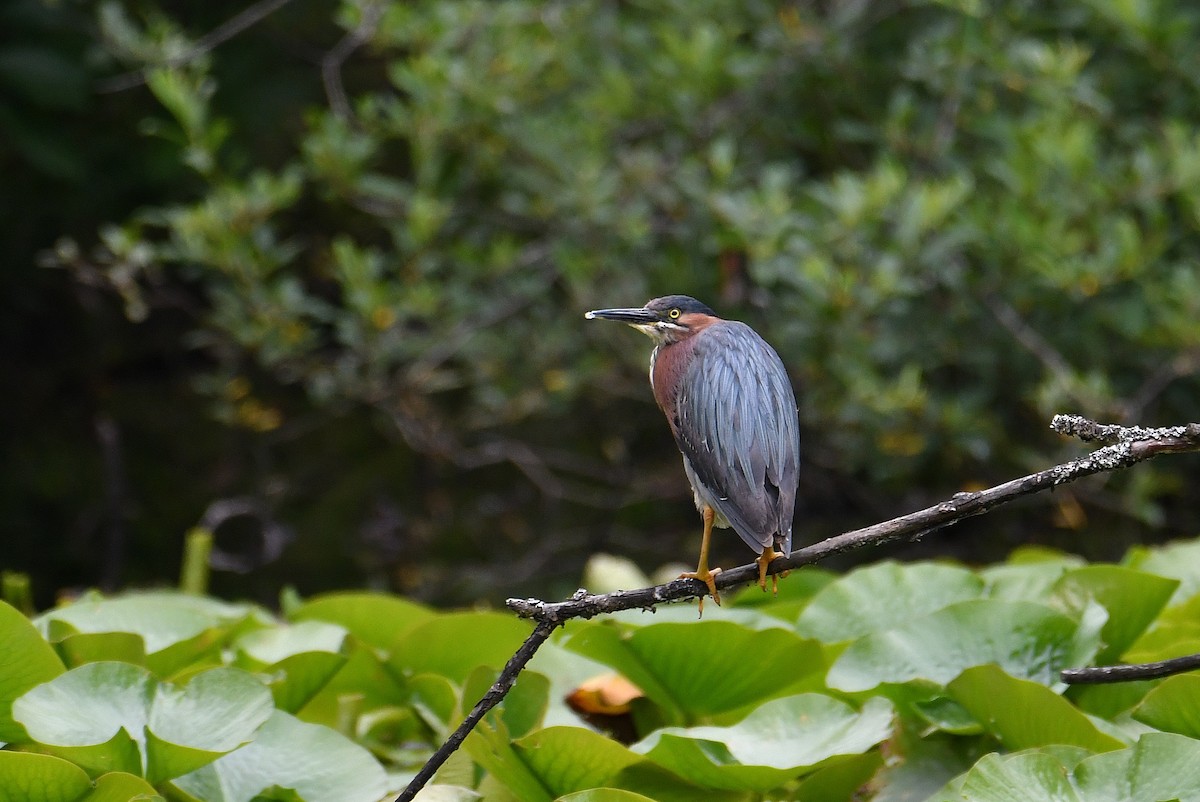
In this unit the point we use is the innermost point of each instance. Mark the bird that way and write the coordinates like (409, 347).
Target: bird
(731, 408)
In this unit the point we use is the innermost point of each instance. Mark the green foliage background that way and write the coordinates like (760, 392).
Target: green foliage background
(349, 293)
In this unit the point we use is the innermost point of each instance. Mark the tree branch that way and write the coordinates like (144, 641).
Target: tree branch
(228, 29)
(1126, 446)
(1096, 675)
(498, 691)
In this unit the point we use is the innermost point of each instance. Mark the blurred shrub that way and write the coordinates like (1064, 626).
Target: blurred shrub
(953, 219)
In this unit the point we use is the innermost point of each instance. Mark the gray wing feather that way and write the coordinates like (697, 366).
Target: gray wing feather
(739, 432)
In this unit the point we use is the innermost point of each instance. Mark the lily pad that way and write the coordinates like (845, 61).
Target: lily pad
(1160, 766)
(26, 660)
(454, 644)
(28, 777)
(374, 618)
(1026, 639)
(703, 667)
(313, 761)
(1173, 706)
(1132, 598)
(776, 743)
(104, 715)
(882, 595)
(1024, 714)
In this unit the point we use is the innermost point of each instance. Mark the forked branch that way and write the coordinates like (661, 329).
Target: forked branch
(1126, 446)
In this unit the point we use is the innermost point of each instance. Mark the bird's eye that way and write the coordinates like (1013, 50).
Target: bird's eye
(673, 314)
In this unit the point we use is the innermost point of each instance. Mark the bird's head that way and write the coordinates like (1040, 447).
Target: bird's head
(665, 320)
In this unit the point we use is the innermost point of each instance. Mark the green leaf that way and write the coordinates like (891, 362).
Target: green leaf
(438, 645)
(1132, 598)
(314, 761)
(374, 618)
(568, 759)
(880, 596)
(121, 787)
(1179, 561)
(299, 659)
(841, 779)
(1173, 706)
(1160, 766)
(176, 629)
(702, 667)
(604, 795)
(26, 660)
(1023, 714)
(28, 777)
(91, 647)
(1033, 776)
(1027, 640)
(774, 744)
(490, 747)
(1025, 581)
(103, 714)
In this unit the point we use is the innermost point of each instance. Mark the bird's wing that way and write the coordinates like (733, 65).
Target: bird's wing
(739, 432)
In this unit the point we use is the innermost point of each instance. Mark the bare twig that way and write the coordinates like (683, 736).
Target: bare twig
(503, 684)
(1096, 675)
(1127, 446)
(218, 35)
(331, 64)
(1130, 445)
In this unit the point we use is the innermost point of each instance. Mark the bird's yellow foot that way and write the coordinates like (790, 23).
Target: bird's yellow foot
(764, 560)
(708, 577)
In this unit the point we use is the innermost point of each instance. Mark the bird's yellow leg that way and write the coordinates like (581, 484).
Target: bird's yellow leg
(764, 560)
(702, 572)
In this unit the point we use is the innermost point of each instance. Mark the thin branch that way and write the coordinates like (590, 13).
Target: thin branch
(1127, 446)
(502, 686)
(331, 63)
(222, 33)
(1130, 446)
(1096, 675)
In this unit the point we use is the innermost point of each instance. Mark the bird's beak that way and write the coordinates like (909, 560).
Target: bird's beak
(634, 317)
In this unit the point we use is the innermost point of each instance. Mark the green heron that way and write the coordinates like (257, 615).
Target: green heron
(730, 405)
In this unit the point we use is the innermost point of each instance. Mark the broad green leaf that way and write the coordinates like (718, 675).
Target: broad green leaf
(374, 618)
(314, 761)
(298, 659)
(568, 759)
(1023, 714)
(841, 779)
(94, 713)
(270, 645)
(28, 777)
(446, 793)
(1031, 776)
(490, 746)
(604, 795)
(774, 744)
(1132, 598)
(1160, 766)
(364, 675)
(1173, 706)
(1027, 640)
(161, 618)
(122, 787)
(453, 644)
(703, 667)
(1180, 560)
(91, 647)
(1025, 581)
(26, 660)
(883, 595)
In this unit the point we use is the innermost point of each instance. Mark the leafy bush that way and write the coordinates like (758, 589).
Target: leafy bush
(895, 681)
(951, 218)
